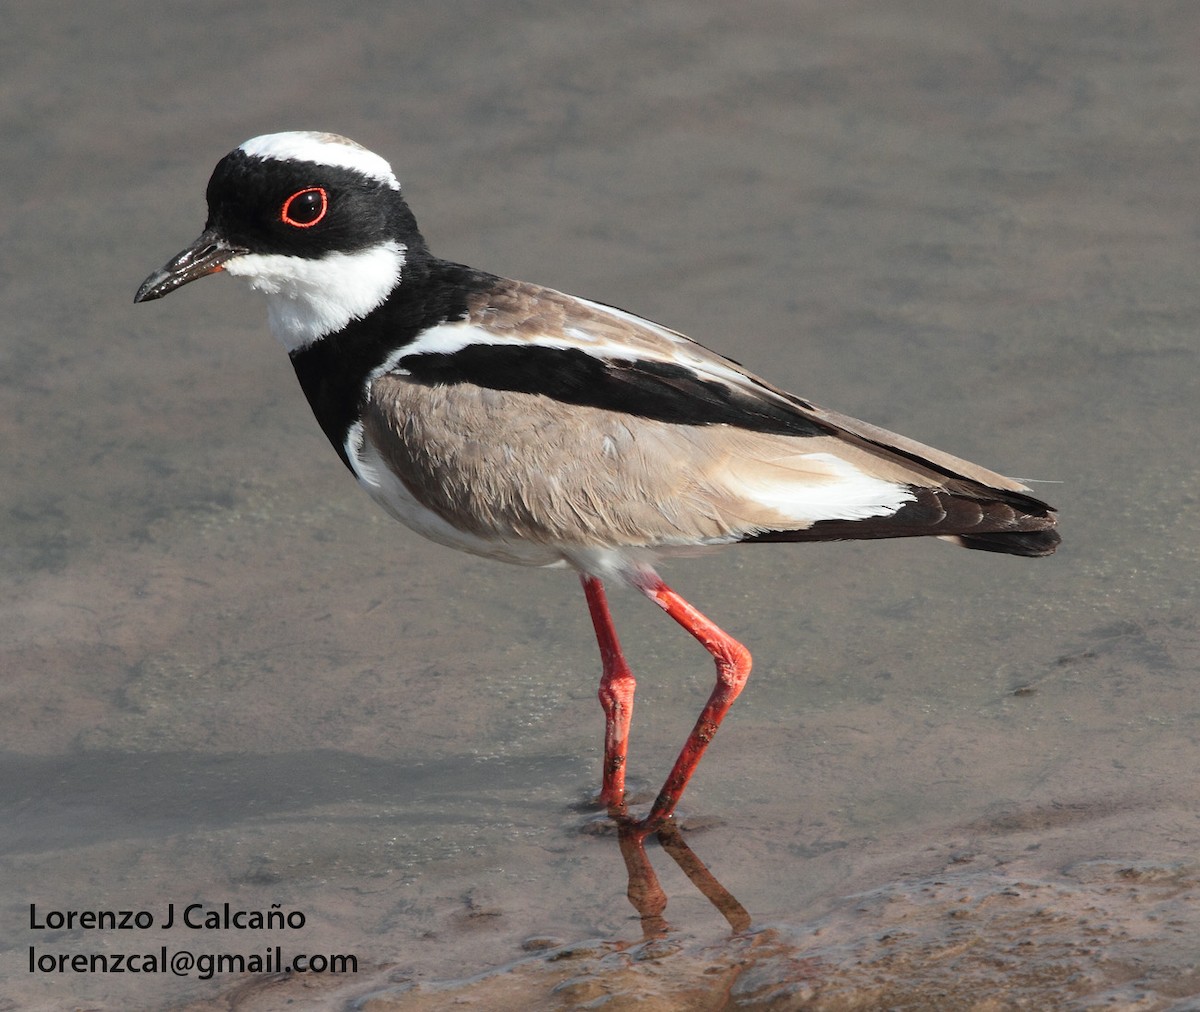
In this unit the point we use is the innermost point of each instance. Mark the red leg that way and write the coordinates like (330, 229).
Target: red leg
(616, 694)
(733, 668)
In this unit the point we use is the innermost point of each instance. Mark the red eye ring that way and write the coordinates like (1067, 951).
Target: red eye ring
(301, 210)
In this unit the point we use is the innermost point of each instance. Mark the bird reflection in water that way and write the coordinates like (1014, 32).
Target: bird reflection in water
(645, 892)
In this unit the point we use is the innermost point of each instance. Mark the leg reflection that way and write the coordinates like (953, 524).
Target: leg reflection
(645, 893)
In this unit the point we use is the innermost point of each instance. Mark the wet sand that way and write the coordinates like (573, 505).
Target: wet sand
(954, 780)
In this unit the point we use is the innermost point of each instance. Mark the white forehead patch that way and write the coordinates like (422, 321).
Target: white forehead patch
(324, 149)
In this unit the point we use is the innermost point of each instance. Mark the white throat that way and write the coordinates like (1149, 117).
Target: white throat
(307, 299)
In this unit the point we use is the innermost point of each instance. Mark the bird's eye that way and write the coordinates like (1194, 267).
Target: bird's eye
(304, 208)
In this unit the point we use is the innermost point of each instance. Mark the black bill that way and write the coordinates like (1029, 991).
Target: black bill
(206, 255)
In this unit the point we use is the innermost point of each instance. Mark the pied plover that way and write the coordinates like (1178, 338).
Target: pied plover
(534, 427)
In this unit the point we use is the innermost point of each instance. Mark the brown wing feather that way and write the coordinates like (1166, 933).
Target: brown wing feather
(501, 463)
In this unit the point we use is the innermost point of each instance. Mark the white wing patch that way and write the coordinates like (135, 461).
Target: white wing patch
(810, 487)
(451, 337)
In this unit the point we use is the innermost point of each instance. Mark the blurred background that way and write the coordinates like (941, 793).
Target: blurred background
(226, 677)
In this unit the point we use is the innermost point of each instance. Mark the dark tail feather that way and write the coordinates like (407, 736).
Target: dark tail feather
(988, 520)
(1032, 544)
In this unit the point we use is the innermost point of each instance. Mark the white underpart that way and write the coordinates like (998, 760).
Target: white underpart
(842, 491)
(634, 566)
(307, 299)
(324, 149)
(382, 485)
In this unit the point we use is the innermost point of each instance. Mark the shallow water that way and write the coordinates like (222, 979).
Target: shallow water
(953, 777)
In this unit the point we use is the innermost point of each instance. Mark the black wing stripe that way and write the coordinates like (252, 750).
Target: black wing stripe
(663, 391)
